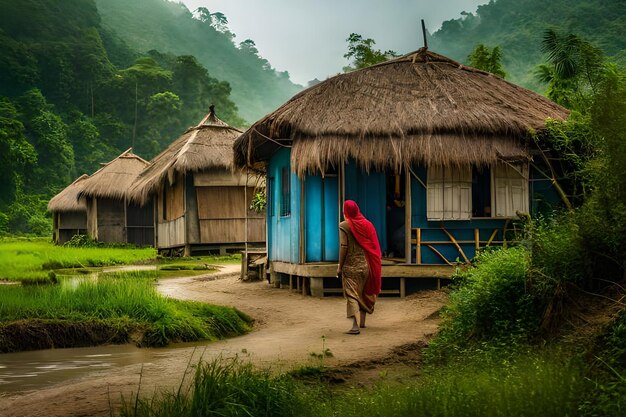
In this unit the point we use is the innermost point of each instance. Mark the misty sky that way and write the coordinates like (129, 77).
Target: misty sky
(308, 37)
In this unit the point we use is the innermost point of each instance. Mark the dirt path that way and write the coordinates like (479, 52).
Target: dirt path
(289, 327)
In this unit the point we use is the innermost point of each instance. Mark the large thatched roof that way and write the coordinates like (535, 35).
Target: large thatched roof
(67, 199)
(418, 108)
(208, 145)
(115, 178)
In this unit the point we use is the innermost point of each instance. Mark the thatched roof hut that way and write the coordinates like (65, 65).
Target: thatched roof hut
(420, 108)
(205, 146)
(115, 178)
(67, 200)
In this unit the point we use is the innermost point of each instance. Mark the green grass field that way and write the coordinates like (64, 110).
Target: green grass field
(531, 384)
(31, 260)
(122, 306)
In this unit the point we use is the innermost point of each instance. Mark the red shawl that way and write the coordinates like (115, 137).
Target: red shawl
(365, 234)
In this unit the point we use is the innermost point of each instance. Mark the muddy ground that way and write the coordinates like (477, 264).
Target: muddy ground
(289, 328)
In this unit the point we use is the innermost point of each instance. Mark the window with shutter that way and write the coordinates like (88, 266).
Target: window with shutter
(285, 193)
(449, 194)
(510, 186)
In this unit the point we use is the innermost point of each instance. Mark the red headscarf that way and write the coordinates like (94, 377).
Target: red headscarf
(365, 234)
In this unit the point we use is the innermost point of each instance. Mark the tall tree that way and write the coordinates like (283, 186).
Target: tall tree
(486, 59)
(362, 53)
(574, 69)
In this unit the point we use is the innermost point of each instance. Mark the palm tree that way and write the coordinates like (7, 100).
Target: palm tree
(574, 68)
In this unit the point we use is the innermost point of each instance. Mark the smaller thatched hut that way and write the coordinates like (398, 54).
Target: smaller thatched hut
(201, 203)
(111, 218)
(69, 214)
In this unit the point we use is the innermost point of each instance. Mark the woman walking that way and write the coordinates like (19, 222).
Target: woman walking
(360, 264)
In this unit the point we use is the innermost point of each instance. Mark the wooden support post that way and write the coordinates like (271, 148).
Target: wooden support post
(317, 287)
(418, 246)
(305, 285)
(402, 288)
(477, 238)
(274, 277)
(290, 282)
(244, 265)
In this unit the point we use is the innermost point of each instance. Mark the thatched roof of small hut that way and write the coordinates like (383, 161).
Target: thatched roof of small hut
(115, 178)
(67, 200)
(209, 145)
(418, 108)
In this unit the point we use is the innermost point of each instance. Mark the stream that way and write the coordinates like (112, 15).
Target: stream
(33, 370)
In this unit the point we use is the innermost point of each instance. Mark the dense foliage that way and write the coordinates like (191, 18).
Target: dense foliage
(73, 94)
(487, 59)
(567, 259)
(170, 27)
(517, 26)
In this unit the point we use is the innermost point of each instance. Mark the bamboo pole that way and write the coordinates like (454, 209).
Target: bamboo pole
(440, 255)
(456, 244)
(418, 246)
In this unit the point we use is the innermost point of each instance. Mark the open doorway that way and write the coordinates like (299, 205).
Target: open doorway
(396, 205)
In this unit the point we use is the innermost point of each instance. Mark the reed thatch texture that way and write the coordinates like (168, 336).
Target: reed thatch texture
(418, 108)
(115, 178)
(206, 146)
(67, 200)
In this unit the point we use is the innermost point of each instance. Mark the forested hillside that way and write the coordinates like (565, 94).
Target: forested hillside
(517, 26)
(73, 94)
(170, 27)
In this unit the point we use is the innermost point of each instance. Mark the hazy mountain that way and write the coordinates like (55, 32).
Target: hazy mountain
(170, 27)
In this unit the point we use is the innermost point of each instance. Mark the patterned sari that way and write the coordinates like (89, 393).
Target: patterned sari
(355, 274)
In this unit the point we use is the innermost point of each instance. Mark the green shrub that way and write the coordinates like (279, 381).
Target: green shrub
(491, 302)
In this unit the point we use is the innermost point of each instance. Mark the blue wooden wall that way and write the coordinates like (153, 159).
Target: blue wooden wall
(283, 231)
(369, 192)
(321, 210)
(321, 218)
(542, 194)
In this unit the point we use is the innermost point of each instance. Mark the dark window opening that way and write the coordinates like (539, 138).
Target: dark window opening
(481, 191)
(395, 204)
(285, 195)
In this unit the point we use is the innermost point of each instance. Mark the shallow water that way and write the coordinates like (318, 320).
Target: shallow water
(30, 370)
(23, 371)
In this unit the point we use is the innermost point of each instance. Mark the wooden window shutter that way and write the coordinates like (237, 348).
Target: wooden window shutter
(510, 183)
(449, 195)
